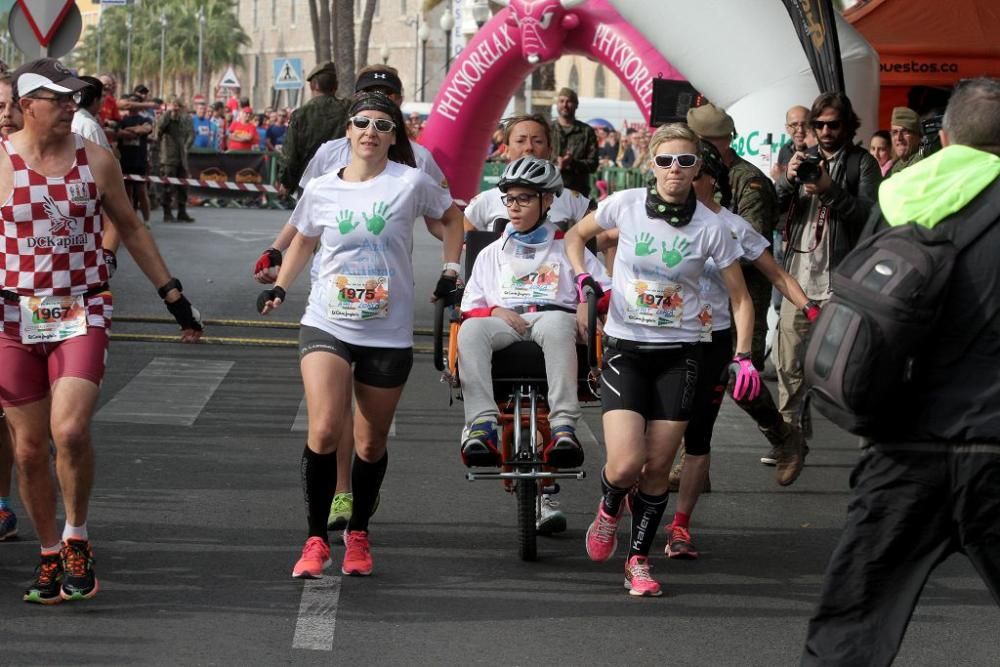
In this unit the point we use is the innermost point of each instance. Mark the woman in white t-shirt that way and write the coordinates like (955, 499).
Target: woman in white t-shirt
(360, 314)
(652, 359)
(525, 135)
(717, 349)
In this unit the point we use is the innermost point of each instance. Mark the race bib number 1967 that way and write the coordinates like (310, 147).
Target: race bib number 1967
(358, 297)
(50, 319)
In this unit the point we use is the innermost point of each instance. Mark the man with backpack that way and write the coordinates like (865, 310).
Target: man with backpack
(928, 481)
(827, 193)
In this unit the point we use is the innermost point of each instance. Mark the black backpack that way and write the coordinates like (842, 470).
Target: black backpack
(863, 352)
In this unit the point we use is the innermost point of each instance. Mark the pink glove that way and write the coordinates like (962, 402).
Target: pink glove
(587, 280)
(747, 384)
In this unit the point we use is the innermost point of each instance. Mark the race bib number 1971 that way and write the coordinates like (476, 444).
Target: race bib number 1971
(358, 297)
(654, 304)
(50, 319)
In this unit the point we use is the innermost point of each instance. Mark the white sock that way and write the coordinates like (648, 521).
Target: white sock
(48, 551)
(75, 532)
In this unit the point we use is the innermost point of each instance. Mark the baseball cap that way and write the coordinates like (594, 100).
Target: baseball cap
(709, 120)
(47, 74)
(907, 118)
(327, 66)
(376, 79)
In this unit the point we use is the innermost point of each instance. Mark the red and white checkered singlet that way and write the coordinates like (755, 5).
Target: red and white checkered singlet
(52, 238)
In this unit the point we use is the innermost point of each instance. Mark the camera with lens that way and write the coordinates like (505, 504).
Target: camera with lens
(930, 140)
(809, 170)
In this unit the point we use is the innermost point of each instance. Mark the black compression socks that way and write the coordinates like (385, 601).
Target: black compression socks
(319, 479)
(647, 511)
(366, 480)
(613, 496)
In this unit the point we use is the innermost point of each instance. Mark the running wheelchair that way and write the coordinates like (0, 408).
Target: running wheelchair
(520, 388)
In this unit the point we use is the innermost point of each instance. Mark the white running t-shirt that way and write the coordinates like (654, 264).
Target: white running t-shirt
(362, 291)
(714, 313)
(656, 293)
(567, 209)
(336, 153)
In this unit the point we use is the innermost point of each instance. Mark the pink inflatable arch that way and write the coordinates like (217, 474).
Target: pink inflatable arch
(493, 64)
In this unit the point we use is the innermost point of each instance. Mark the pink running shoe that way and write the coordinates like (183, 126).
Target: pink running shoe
(315, 558)
(637, 578)
(358, 556)
(601, 536)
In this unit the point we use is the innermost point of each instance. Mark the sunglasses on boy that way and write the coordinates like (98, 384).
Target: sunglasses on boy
(666, 160)
(381, 124)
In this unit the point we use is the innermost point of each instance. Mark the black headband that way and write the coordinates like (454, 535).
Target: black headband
(374, 102)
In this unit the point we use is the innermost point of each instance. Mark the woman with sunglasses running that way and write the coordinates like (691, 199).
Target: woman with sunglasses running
(652, 356)
(360, 314)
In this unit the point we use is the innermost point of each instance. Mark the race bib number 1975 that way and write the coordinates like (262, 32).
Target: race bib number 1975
(358, 297)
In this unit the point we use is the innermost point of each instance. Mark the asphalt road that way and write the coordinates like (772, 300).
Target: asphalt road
(197, 518)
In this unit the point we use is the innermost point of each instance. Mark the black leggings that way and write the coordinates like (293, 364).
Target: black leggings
(715, 357)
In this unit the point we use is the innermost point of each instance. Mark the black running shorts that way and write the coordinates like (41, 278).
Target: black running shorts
(384, 367)
(658, 384)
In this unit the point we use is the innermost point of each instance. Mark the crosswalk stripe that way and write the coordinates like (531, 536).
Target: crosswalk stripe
(169, 390)
(317, 620)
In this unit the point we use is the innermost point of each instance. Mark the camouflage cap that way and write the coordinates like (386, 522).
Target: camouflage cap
(907, 118)
(327, 66)
(709, 120)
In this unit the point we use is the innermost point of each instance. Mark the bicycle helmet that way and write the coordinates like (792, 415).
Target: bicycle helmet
(531, 172)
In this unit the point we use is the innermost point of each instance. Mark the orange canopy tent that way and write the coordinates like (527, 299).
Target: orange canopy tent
(928, 43)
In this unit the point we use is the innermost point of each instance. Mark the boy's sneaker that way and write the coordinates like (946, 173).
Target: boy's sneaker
(358, 555)
(48, 581)
(340, 511)
(315, 558)
(79, 581)
(8, 525)
(479, 450)
(552, 520)
(563, 450)
(679, 544)
(602, 539)
(638, 580)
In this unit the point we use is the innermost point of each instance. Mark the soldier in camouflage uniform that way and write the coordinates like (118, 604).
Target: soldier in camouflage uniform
(322, 118)
(904, 128)
(176, 133)
(755, 200)
(574, 144)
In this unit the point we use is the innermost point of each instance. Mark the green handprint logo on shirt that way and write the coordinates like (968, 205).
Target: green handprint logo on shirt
(344, 219)
(675, 255)
(376, 223)
(644, 245)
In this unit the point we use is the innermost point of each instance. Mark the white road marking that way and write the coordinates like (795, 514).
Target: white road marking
(169, 390)
(317, 619)
(301, 423)
(586, 436)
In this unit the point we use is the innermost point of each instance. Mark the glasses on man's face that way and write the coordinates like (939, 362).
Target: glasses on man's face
(381, 124)
(818, 125)
(523, 199)
(666, 160)
(797, 127)
(68, 98)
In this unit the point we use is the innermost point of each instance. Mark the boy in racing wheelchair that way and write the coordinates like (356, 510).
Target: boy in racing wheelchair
(521, 289)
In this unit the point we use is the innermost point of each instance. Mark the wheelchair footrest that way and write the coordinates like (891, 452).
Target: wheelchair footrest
(539, 474)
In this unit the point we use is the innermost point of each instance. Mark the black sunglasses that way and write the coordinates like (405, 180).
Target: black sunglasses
(381, 124)
(820, 124)
(666, 160)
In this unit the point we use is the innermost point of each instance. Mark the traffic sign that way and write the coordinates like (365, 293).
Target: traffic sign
(45, 16)
(288, 74)
(229, 79)
(60, 40)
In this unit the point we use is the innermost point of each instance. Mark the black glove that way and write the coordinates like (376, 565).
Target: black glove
(111, 261)
(269, 295)
(447, 290)
(186, 315)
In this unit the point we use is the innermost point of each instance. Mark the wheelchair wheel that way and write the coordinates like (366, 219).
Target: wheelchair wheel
(527, 502)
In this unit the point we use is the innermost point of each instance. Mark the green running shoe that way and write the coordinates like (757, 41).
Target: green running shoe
(340, 511)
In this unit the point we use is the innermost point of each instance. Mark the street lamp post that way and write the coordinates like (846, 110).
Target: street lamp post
(163, 48)
(423, 34)
(447, 24)
(201, 38)
(128, 50)
(100, 31)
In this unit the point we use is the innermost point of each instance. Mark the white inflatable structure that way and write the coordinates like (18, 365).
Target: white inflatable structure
(745, 57)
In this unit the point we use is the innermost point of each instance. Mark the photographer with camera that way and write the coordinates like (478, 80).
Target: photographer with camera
(827, 192)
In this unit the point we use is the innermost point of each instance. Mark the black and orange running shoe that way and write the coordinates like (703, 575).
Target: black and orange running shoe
(79, 582)
(48, 580)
